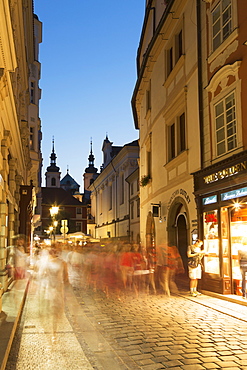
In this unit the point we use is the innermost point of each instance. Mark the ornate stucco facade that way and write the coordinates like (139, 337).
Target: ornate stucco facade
(20, 135)
(220, 185)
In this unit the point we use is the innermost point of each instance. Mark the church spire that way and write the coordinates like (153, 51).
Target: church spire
(53, 173)
(91, 168)
(91, 156)
(53, 167)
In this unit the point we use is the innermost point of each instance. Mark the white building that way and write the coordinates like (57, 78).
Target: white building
(110, 200)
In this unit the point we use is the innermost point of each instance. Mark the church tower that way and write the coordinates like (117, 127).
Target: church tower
(91, 172)
(52, 175)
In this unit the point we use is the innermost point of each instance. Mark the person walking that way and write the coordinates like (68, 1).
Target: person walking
(242, 257)
(195, 254)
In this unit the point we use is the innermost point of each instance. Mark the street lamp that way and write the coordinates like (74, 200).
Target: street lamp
(53, 212)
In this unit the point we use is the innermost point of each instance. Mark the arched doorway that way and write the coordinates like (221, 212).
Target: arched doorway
(150, 231)
(182, 239)
(178, 230)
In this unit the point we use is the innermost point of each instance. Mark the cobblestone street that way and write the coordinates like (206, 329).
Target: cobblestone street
(149, 332)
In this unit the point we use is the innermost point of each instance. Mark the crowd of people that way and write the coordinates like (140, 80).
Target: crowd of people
(116, 269)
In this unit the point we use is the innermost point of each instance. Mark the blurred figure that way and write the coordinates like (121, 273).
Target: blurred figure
(126, 266)
(170, 262)
(151, 266)
(17, 259)
(139, 267)
(52, 275)
(110, 271)
(75, 266)
(242, 257)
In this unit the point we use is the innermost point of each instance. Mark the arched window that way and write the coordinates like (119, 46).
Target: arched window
(53, 181)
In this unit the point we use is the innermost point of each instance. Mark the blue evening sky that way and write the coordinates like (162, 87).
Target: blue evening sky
(88, 73)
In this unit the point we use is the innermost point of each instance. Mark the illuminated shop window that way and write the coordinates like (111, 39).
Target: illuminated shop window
(211, 242)
(238, 241)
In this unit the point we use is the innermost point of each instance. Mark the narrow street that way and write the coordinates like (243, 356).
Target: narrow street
(148, 332)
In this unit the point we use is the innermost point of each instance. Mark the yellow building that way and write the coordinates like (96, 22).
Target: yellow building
(165, 109)
(20, 135)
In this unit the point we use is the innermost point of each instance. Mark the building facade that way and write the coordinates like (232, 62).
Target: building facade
(166, 113)
(134, 206)
(64, 194)
(20, 135)
(110, 201)
(220, 186)
(189, 107)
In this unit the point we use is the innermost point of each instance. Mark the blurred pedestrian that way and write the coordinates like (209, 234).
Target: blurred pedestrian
(52, 275)
(195, 254)
(171, 263)
(242, 257)
(17, 259)
(75, 266)
(126, 266)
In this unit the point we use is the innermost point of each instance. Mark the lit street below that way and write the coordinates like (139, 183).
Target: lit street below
(145, 332)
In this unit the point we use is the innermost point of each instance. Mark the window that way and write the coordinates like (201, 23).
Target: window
(221, 22)
(121, 189)
(172, 143)
(132, 210)
(78, 226)
(31, 138)
(78, 211)
(53, 181)
(225, 125)
(181, 133)
(138, 207)
(179, 45)
(177, 137)
(170, 61)
(211, 242)
(148, 98)
(32, 95)
(110, 197)
(174, 52)
(132, 188)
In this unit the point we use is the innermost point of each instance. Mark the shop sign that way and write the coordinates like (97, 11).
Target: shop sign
(179, 192)
(226, 172)
(234, 194)
(209, 200)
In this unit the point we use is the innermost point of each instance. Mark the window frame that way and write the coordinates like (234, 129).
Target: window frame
(176, 136)
(224, 127)
(220, 19)
(174, 51)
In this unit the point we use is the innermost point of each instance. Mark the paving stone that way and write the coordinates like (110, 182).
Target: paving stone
(193, 367)
(172, 363)
(160, 353)
(212, 366)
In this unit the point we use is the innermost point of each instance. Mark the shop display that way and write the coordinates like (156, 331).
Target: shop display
(211, 243)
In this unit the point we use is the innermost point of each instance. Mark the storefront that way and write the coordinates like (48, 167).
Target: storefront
(221, 197)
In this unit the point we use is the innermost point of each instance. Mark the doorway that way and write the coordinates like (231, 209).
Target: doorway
(182, 238)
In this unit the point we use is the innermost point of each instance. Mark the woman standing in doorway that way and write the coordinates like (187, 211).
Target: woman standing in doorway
(195, 255)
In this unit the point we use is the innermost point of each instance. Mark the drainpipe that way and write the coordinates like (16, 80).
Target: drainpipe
(200, 85)
(200, 102)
